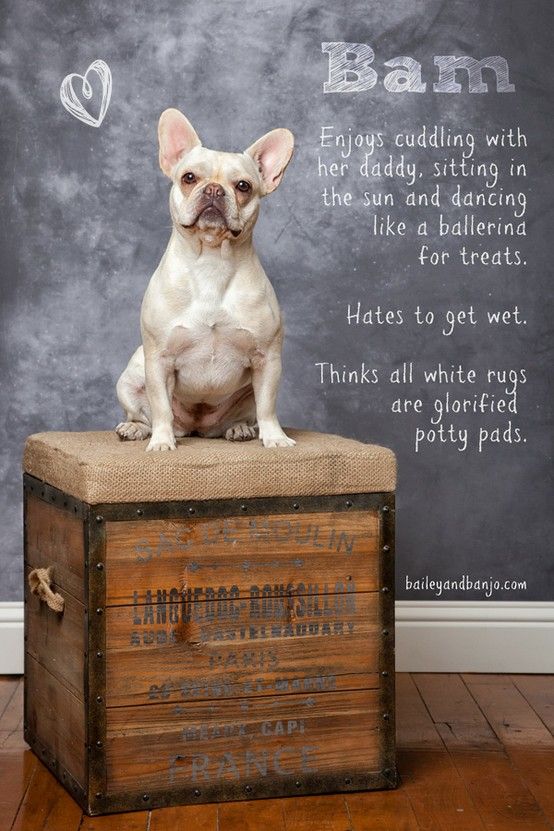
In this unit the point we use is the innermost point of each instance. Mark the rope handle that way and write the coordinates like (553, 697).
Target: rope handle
(40, 581)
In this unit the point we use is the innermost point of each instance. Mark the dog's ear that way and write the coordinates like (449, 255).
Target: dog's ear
(177, 136)
(272, 153)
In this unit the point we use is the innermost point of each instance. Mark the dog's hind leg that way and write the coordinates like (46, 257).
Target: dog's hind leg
(241, 432)
(238, 423)
(131, 393)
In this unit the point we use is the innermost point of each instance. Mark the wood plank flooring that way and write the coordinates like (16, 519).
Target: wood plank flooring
(475, 753)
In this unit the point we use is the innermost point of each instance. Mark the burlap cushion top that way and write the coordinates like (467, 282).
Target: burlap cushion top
(98, 467)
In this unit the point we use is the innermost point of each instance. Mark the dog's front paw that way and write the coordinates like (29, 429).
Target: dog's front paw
(161, 440)
(132, 430)
(275, 437)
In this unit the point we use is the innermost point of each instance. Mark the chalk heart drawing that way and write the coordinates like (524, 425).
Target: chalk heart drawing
(74, 105)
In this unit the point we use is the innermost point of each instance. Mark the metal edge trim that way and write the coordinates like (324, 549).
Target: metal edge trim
(231, 791)
(95, 684)
(386, 653)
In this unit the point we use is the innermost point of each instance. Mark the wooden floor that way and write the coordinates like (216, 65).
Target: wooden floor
(476, 753)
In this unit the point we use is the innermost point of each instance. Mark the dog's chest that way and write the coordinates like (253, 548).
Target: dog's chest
(210, 332)
(211, 328)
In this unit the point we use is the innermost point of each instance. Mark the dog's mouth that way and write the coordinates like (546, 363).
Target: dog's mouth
(212, 216)
(211, 212)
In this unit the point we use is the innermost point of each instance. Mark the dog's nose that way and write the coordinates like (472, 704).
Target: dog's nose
(214, 190)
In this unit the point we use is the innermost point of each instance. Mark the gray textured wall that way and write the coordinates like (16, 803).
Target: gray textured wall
(84, 221)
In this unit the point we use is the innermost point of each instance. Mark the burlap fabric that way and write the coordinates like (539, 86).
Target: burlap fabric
(99, 467)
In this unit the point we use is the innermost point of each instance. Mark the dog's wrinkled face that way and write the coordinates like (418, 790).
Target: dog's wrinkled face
(216, 195)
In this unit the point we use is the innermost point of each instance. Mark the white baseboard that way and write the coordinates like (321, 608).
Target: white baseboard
(466, 636)
(11, 638)
(431, 636)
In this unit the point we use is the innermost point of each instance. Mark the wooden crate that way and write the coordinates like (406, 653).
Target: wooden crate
(214, 649)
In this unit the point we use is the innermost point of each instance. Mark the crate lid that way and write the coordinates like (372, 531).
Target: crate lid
(97, 467)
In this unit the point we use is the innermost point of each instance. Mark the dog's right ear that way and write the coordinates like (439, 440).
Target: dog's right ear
(177, 136)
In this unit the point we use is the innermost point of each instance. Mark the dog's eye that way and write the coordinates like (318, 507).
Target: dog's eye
(188, 178)
(243, 186)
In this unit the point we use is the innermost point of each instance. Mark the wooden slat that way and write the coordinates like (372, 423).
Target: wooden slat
(47, 806)
(8, 685)
(509, 714)
(58, 641)
(16, 770)
(436, 792)
(135, 821)
(11, 723)
(458, 719)
(263, 815)
(193, 817)
(414, 725)
(55, 537)
(161, 746)
(323, 548)
(235, 652)
(57, 718)
(539, 692)
(381, 811)
(316, 813)
(502, 799)
(536, 768)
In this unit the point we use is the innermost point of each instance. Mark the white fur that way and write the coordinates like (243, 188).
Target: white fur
(210, 362)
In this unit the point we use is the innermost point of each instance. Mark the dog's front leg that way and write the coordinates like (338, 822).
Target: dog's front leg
(160, 383)
(266, 374)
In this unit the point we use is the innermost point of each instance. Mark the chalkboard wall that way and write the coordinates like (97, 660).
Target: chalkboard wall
(85, 220)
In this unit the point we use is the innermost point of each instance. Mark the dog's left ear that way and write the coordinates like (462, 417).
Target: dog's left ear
(272, 153)
(177, 136)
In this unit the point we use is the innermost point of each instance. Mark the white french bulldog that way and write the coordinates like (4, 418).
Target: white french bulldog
(210, 362)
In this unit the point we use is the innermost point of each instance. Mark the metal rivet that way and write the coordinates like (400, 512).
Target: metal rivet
(386, 548)
(385, 674)
(99, 610)
(295, 505)
(243, 508)
(248, 788)
(192, 510)
(385, 509)
(145, 797)
(99, 699)
(139, 511)
(298, 783)
(385, 589)
(99, 519)
(196, 792)
(99, 654)
(348, 781)
(99, 795)
(387, 771)
(349, 577)
(99, 743)
(99, 566)
(348, 503)
(386, 716)
(385, 632)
